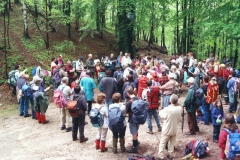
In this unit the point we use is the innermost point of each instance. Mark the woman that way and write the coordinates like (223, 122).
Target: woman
(78, 123)
(230, 126)
(102, 130)
(121, 135)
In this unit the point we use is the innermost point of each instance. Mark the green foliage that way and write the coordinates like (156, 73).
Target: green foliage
(64, 46)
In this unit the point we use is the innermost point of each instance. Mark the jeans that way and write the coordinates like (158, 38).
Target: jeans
(233, 102)
(108, 102)
(119, 134)
(24, 103)
(32, 107)
(153, 113)
(206, 113)
(216, 131)
(78, 123)
(197, 81)
(65, 117)
(166, 99)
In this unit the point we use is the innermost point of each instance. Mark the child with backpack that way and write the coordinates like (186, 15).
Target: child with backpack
(217, 116)
(100, 141)
(117, 122)
(230, 133)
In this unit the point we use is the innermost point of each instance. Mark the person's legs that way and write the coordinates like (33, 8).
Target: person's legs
(81, 124)
(172, 140)
(108, 102)
(166, 100)
(163, 141)
(149, 121)
(75, 127)
(21, 106)
(26, 105)
(89, 106)
(63, 118)
(206, 114)
(215, 133)
(231, 100)
(156, 117)
(115, 140)
(122, 140)
(68, 119)
(218, 131)
(134, 131)
(190, 123)
(14, 91)
(195, 125)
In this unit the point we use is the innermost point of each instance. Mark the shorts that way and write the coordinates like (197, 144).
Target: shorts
(133, 128)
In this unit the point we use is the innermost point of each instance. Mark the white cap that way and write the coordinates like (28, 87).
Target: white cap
(190, 80)
(173, 61)
(171, 75)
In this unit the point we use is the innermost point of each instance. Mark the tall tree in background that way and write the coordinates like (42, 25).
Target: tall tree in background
(25, 32)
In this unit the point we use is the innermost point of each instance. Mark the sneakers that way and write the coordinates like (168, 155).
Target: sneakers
(84, 140)
(133, 150)
(68, 129)
(150, 131)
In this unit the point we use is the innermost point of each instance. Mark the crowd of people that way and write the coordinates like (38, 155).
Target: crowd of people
(122, 81)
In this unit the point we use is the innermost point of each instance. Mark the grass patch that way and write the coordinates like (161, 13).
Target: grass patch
(8, 110)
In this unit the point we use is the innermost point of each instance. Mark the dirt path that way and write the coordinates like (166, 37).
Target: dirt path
(24, 138)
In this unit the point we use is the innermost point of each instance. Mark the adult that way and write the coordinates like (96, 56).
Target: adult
(23, 101)
(90, 65)
(119, 58)
(78, 123)
(226, 74)
(108, 87)
(70, 72)
(191, 60)
(121, 135)
(196, 74)
(191, 107)
(53, 64)
(140, 83)
(151, 95)
(179, 61)
(113, 61)
(126, 60)
(88, 85)
(60, 60)
(129, 83)
(56, 77)
(167, 89)
(171, 116)
(233, 86)
(132, 126)
(118, 76)
(16, 76)
(40, 73)
(65, 116)
(107, 63)
(205, 105)
(96, 60)
(62, 72)
(163, 79)
(79, 66)
(224, 59)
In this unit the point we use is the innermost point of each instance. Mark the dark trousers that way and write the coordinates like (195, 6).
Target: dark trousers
(225, 89)
(192, 122)
(89, 106)
(216, 131)
(119, 134)
(119, 89)
(78, 124)
(233, 103)
(78, 74)
(70, 80)
(14, 91)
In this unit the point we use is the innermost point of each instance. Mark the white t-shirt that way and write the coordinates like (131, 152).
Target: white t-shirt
(96, 61)
(179, 61)
(79, 65)
(126, 61)
(104, 112)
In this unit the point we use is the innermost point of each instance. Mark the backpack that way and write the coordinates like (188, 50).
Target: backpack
(116, 119)
(152, 97)
(199, 96)
(72, 107)
(12, 81)
(74, 64)
(27, 91)
(137, 157)
(43, 102)
(139, 109)
(59, 98)
(233, 144)
(129, 84)
(119, 77)
(96, 118)
(142, 85)
(197, 148)
(176, 89)
(212, 92)
(34, 71)
(236, 86)
(56, 75)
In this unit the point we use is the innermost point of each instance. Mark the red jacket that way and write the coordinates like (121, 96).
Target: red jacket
(222, 142)
(226, 73)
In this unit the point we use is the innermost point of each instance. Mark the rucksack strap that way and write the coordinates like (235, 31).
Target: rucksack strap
(227, 130)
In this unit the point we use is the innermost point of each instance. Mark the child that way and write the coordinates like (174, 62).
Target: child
(217, 116)
(102, 131)
(231, 125)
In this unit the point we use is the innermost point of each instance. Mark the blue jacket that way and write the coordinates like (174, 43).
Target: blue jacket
(88, 85)
(215, 112)
(230, 84)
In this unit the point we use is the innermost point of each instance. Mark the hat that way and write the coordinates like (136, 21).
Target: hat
(190, 80)
(173, 61)
(60, 55)
(228, 64)
(171, 75)
(81, 58)
(37, 78)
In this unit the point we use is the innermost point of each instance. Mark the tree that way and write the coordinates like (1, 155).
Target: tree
(25, 32)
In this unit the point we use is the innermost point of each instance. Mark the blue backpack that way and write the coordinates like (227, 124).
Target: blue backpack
(116, 119)
(27, 91)
(34, 71)
(199, 96)
(96, 118)
(232, 148)
(139, 109)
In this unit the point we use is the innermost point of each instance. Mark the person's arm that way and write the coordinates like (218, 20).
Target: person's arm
(214, 115)
(222, 139)
(188, 100)
(162, 114)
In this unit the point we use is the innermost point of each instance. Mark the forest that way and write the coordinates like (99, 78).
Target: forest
(176, 26)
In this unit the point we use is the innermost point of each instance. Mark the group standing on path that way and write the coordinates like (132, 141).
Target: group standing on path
(144, 84)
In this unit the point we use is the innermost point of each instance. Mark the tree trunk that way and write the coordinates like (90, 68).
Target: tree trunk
(50, 4)
(177, 30)
(184, 34)
(236, 54)
(97, 2)
(5, 40)
(8, 23)
(47, 37)
(151, 37)
(25, 33)
(17, 1)
(36, 9)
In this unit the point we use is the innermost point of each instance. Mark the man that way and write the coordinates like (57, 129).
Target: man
(163, 79)
(196, 74)
(119, 58)
(132, 126)
(191, 60)
(126, 60)
(79, 66)
(70, 72)
(233, 87)
(151, 95)
(118, 74)
(79, 122)
(167, 89)
(90, 65)
(191, 107)
(88, 85)
(23, 101)
(171, 116)
(62, 72)
(56, 77)
(108, 87)
(65, 116)
(113, 61)
(40, 73)
(15, 75)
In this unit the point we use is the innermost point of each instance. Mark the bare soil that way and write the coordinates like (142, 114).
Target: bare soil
(24, 138)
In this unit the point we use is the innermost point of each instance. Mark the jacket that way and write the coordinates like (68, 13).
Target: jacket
(230, 84)
(90, 65)
(81, 103)
(190, 101)
(88, 86)
(108, 85)
(215, 112)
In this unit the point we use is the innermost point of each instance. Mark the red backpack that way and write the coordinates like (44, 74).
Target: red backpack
(142, 84)
(152, 97)
(212, 92)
